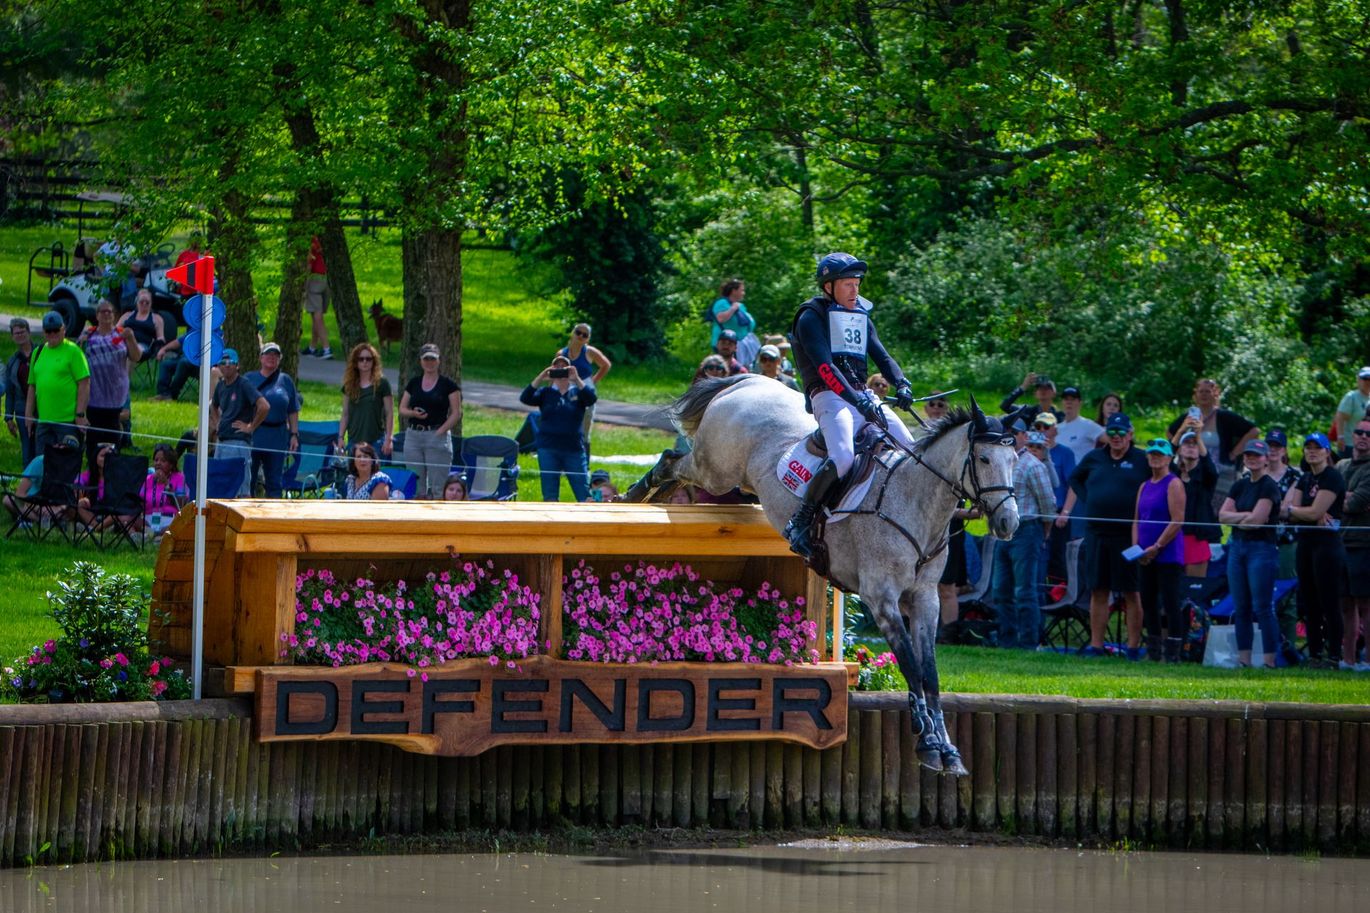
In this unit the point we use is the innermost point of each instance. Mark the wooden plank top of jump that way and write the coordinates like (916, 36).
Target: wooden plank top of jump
(413, 527)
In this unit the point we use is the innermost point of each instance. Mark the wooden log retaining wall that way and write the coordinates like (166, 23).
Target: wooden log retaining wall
(176, 779)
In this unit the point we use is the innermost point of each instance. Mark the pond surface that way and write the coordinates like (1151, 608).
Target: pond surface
(815, 875)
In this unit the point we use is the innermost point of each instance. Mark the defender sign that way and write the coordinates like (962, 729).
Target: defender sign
(465, 707)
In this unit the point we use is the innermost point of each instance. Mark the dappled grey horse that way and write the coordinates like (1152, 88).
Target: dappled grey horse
(892, 547)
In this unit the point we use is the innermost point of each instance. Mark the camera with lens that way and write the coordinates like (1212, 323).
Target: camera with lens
(558, 373)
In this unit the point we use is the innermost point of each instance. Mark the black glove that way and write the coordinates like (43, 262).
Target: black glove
(870, 410)
(904, 396)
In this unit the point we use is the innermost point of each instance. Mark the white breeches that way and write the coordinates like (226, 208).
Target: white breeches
(840, 420)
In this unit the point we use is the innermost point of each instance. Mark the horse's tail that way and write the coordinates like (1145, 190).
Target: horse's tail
(687, 411)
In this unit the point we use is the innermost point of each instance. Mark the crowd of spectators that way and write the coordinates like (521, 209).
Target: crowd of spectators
(1148, 516)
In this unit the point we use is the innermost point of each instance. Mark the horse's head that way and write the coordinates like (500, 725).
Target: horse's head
(988, 474)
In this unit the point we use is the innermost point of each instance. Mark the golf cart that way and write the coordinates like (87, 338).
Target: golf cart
(76, 281)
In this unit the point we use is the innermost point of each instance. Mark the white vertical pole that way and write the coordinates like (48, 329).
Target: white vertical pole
(197, 633)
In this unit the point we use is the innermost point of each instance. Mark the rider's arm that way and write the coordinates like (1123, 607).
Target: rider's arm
(813, 337)
(882, 358)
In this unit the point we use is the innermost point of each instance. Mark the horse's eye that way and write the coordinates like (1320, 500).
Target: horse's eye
(984, 459)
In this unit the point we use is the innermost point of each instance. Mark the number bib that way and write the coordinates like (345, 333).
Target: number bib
(847, 332)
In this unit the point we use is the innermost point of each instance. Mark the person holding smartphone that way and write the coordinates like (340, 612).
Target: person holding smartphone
(432, 406)
(561, 397)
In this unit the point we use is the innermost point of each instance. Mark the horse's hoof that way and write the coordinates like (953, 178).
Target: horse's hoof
(931, 759)
(953, 765)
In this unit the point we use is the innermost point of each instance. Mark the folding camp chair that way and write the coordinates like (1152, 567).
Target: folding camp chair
(225, 477)
(309, 471)
(1071, 611)
(1221, 613)
(115, 513)
(981, 589)
(40, 512)
(491, 465)
(403, 483)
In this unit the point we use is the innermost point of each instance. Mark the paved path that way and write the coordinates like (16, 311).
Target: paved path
(495, 396)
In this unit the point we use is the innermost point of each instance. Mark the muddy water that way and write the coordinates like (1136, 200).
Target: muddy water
(818, 876)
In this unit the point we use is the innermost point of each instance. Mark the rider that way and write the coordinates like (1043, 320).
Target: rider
(833, 336)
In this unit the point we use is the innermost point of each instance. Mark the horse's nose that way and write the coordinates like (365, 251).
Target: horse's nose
(1006, 524)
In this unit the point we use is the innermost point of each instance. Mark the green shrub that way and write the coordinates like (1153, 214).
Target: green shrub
(102, 653)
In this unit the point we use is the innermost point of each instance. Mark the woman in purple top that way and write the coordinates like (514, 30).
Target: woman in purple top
(1156, 528)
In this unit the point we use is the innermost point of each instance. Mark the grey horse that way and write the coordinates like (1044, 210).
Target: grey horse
(892, 548)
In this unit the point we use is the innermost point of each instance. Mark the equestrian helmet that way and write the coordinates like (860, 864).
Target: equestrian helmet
(839, 266)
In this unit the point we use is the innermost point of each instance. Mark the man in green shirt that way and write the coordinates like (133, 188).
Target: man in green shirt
(59, 387)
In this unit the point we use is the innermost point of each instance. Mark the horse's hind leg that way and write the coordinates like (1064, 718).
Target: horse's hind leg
(886, 608)
(659, 481)
(924, 613)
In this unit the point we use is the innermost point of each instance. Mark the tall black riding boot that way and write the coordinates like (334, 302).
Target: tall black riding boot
(1153, 647)
(1173, 647)
(800, 528)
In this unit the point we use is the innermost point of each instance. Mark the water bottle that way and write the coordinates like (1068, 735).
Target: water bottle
(330, 493)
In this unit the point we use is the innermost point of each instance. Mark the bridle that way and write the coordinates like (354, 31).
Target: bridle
(976, 494)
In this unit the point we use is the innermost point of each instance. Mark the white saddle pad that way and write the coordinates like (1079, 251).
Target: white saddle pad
(796, 469)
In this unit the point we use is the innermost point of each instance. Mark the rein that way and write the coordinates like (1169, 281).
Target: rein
(976, 496)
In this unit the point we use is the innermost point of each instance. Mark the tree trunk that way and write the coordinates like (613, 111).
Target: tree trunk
(321, 199)
(342, 281)
(432, 300)
(233, 241)
(294, 273)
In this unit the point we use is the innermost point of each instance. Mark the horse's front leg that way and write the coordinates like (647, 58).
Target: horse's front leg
(659, 482)
(925, 611)
(910, 659)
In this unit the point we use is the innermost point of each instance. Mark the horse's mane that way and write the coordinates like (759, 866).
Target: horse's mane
(689, 407)
(954, 419)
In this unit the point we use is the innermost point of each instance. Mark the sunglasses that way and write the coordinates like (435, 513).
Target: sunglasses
(582, 335)
(715, 370)
(1116, 433)
(937, 404)
(1361, 432)
(361, 358)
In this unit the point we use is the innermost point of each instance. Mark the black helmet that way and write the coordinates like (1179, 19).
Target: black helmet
(840, 266)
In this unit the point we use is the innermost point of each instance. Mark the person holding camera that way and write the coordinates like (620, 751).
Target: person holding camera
(1043, 388)
(1225, 434)
(561, 397)
(432, 405)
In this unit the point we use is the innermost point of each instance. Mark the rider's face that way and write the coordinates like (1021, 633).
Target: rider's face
(844, 291)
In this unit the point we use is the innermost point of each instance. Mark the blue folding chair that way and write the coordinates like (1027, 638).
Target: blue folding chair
(309, 471)
(1222, 612)
(225, 477)
(491, 466)
(402, 481)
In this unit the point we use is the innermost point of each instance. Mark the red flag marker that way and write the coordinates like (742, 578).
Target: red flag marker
(197, 274)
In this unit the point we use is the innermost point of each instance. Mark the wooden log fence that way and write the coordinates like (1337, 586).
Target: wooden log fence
(90, 782)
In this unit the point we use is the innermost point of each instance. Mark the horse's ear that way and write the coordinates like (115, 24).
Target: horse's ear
(977, 416)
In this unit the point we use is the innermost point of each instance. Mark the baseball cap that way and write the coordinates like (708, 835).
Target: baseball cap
(599, 475)
(768, 352)
(429, 350)
(1045, 418)
(1275, 437)
(1259, 447)
(727, 334)
(1118, 421)
(1189, 436)
(1046, 382)
(1017, 426)
(230, 357)
(1363, 372)
(1317, 437)
(1037, 438)
(271, 347)
(53, 321)
(1159, 445)
(1071, 391)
